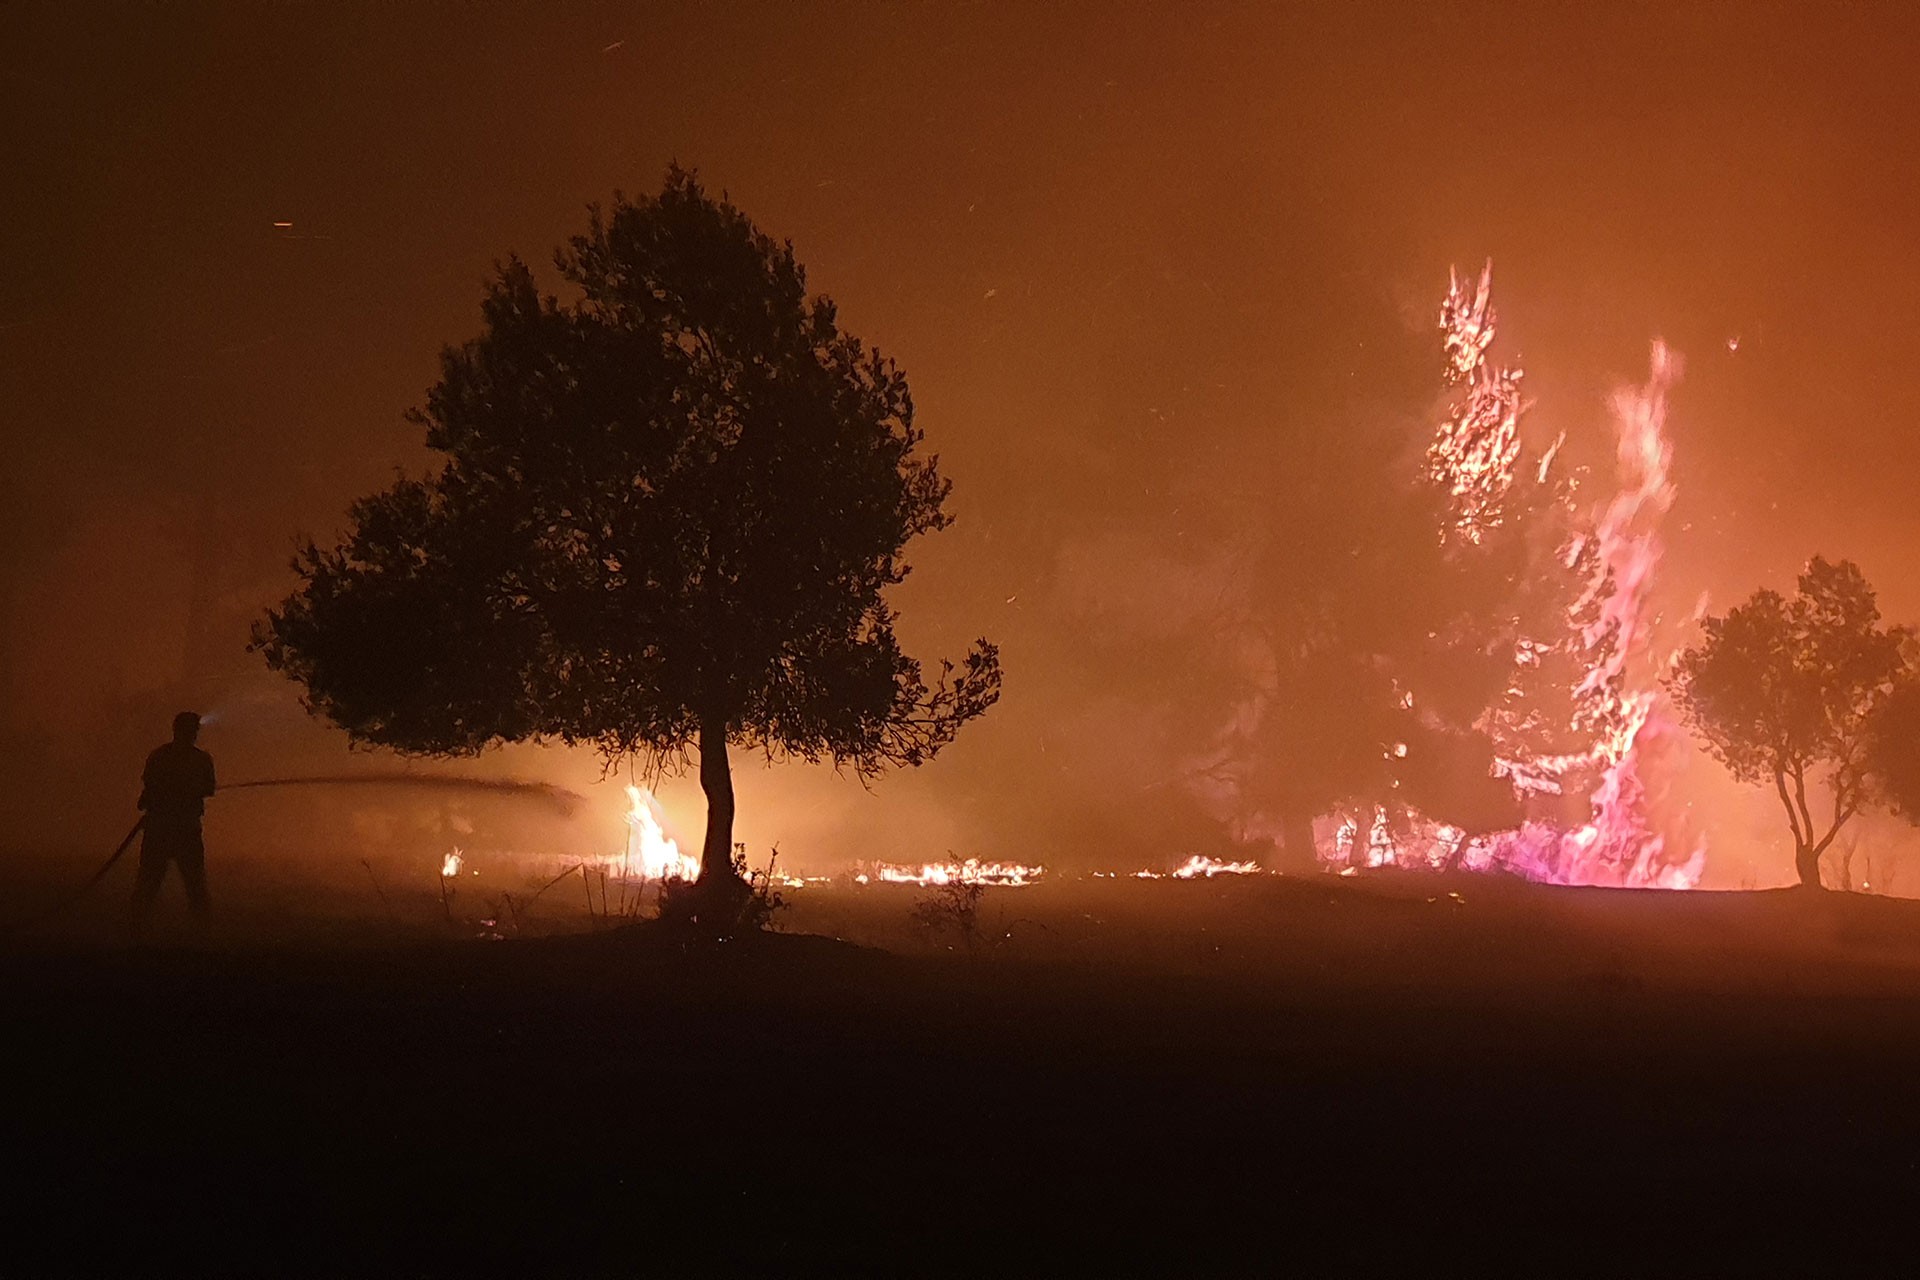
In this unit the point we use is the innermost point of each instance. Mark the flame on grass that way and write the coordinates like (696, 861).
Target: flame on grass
(972, 871)
(651, 854)
(787, 880)
(1201, 867)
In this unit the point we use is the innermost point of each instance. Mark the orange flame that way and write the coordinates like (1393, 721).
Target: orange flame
(651, 853)
(972, 871)
(1473, 454)
(1201, 867)
(1619, 694)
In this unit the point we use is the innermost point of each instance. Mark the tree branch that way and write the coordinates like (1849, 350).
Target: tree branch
(1793, 818)
(1845, 804)
(1800, 799)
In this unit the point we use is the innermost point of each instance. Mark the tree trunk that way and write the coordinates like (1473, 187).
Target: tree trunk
(1297, 856)
(716, 779)
(1806, 861)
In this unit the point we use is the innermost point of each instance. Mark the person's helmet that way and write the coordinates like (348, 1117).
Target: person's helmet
(186, 724)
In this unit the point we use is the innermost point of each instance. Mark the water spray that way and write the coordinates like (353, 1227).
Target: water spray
(563, 800)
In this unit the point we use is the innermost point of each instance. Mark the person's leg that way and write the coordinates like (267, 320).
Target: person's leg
(192, 859)
(146, 882)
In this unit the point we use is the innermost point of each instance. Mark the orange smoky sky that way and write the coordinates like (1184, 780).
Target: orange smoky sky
(1132, 257)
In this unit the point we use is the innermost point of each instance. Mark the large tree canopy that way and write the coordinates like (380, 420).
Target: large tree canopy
(1794, 692)
(669, 509)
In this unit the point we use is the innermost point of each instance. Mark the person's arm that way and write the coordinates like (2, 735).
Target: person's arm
(146, 784)
(206, 783)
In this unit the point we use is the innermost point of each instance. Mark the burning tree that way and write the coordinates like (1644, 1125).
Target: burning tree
(1794, 692)
(1458, 660)
(1366, 663)
(1413, 641)
(1520, 523)
(1474, 453)
(667, 514)
(1609, 695)
(1893, 748)
(1578, 714)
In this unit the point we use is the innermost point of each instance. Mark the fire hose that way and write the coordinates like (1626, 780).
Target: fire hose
(118, 851)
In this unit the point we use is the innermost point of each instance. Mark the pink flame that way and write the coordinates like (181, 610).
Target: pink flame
(1619, 696)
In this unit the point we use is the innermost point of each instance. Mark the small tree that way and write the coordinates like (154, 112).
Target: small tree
(1893, 747)
(669, 509)
(1792, 692)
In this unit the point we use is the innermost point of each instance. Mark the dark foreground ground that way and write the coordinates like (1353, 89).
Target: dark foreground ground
(1314, 1077)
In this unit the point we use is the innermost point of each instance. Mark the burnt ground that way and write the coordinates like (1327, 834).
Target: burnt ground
(1318, 1076)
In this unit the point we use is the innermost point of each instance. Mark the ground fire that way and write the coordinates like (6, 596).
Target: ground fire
(650, 853)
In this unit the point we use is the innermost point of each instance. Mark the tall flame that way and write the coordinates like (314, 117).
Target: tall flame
(651, 854)
(1619, 694)
(1617, 712)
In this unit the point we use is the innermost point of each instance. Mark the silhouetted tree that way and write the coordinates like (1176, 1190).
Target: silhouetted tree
(1791, 691)
(1893, 747)
(669, 508)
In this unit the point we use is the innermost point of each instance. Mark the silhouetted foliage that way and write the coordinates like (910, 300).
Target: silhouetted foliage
(1381, 650)
(737, 906)
(1370, 657)
(668, 512)
(1893, 746)
(1791, 691)
(955, 907)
